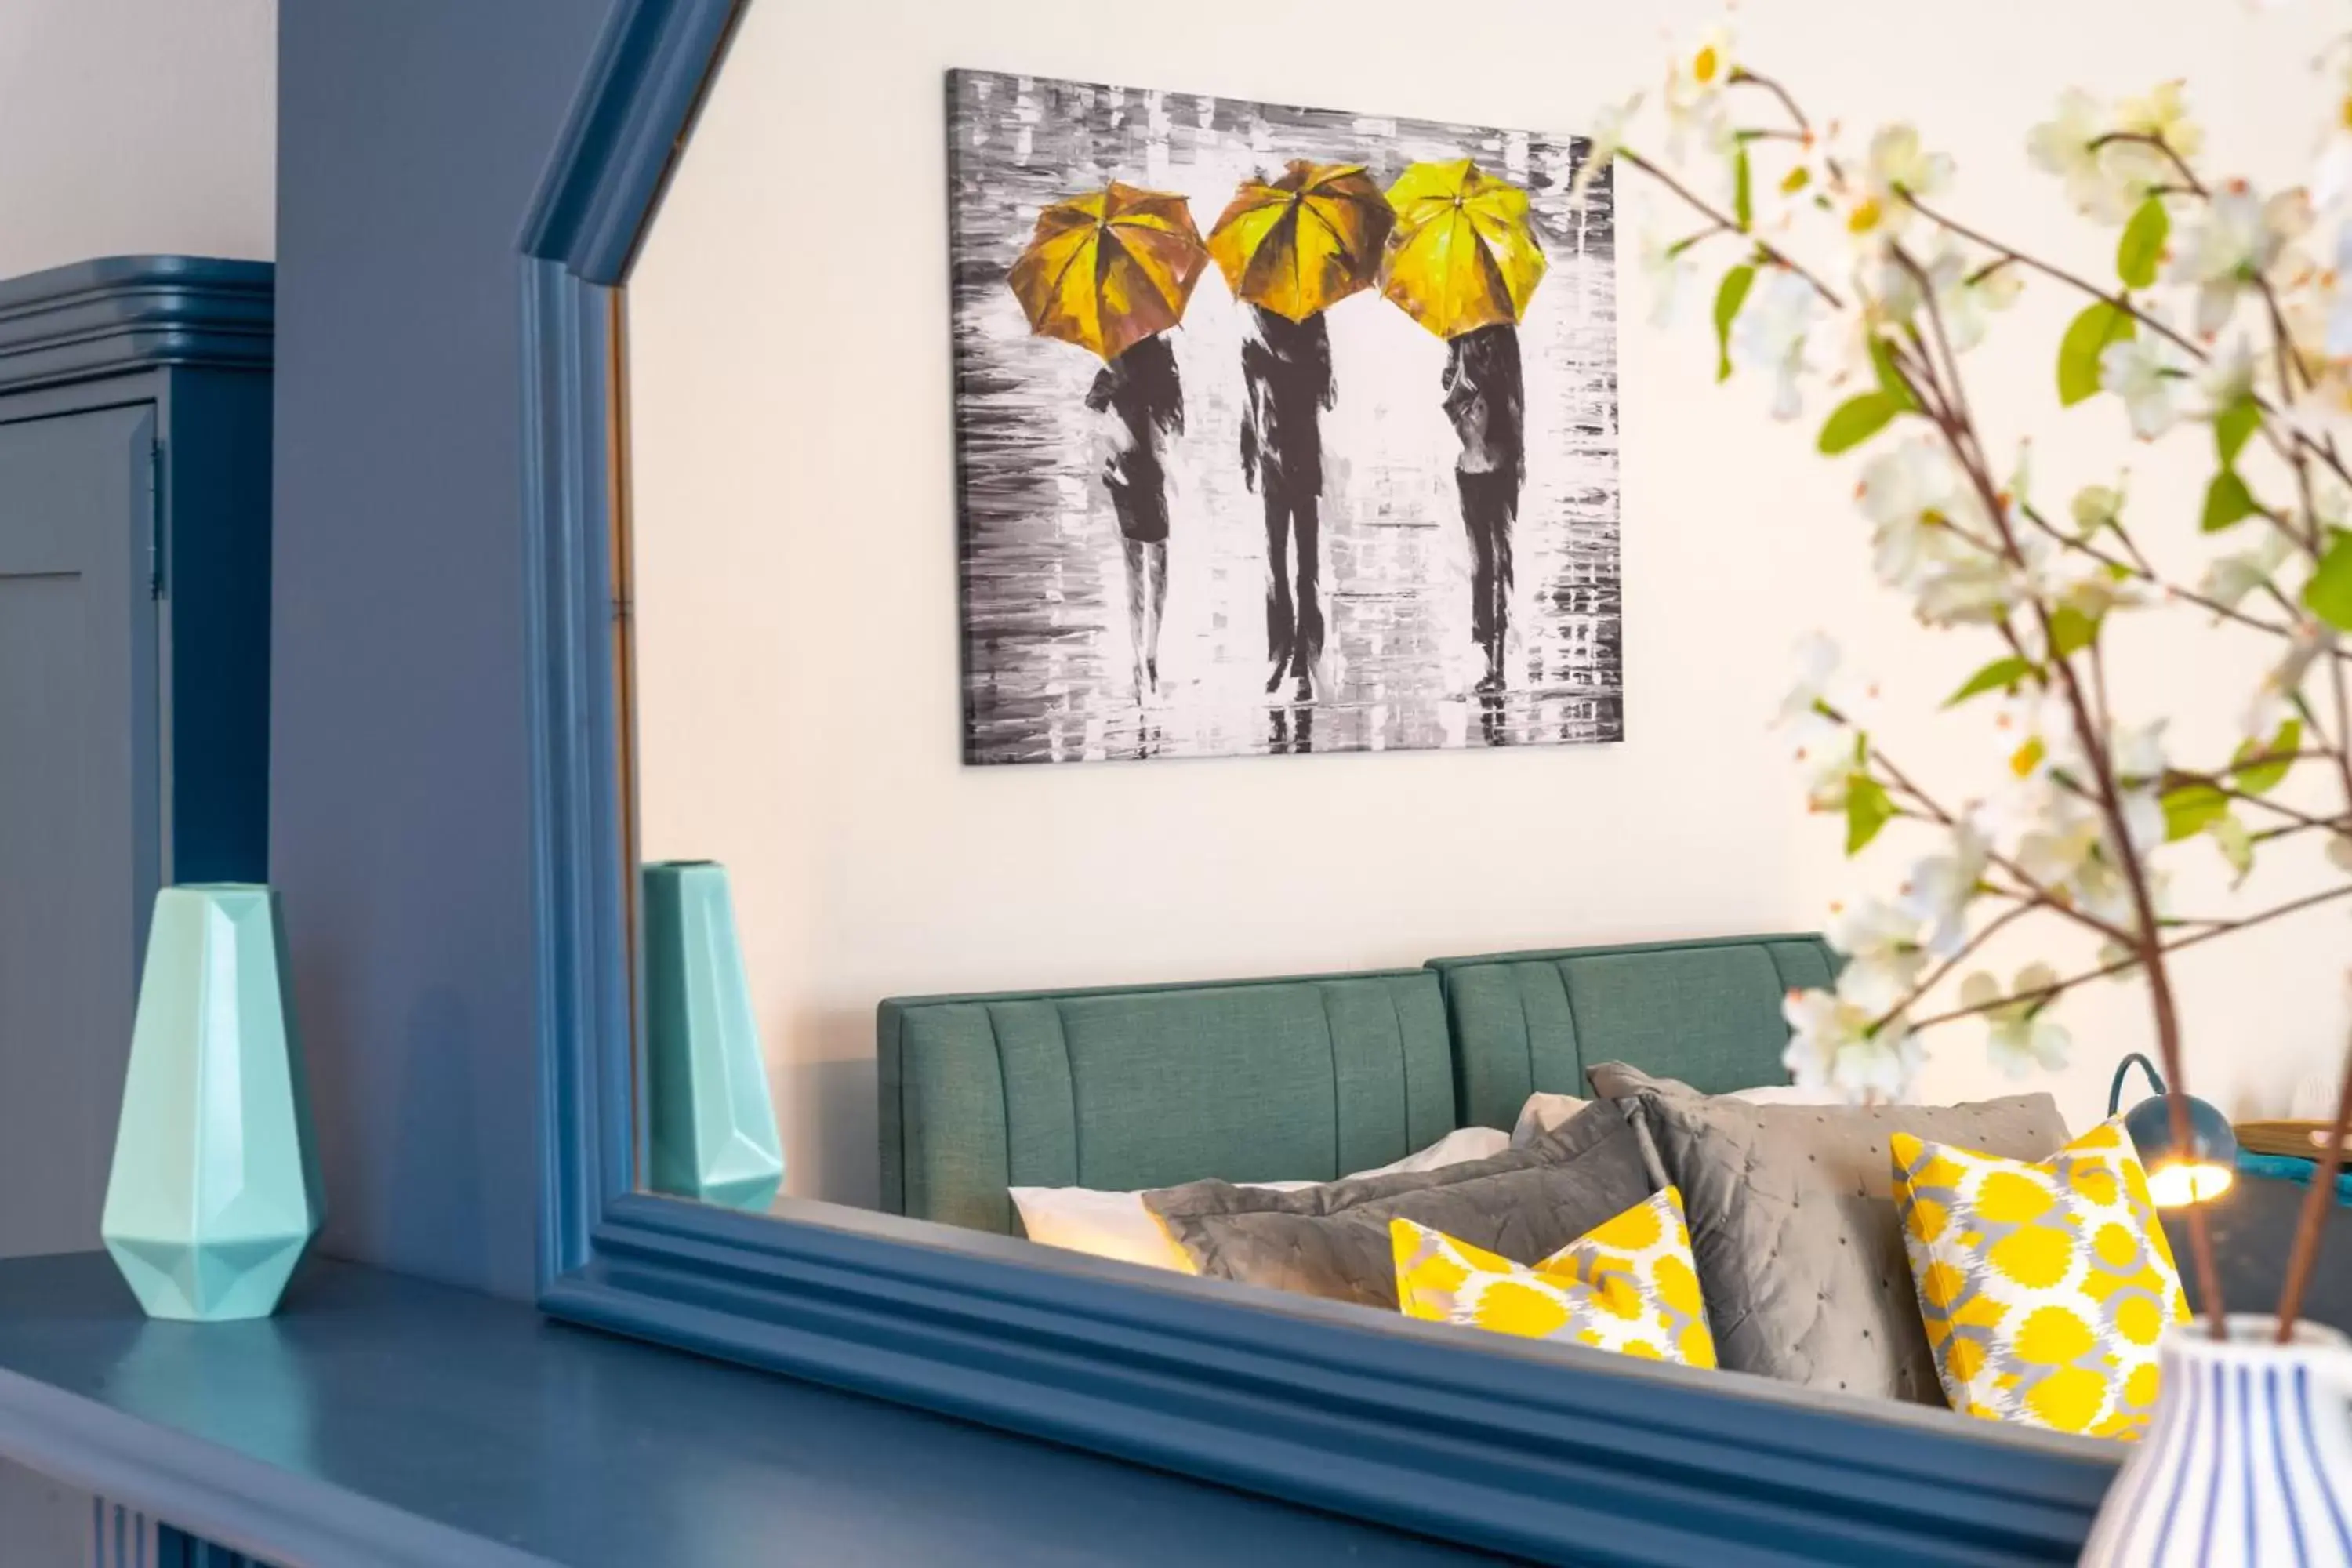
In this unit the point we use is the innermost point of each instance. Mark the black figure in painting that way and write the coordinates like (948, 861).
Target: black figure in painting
(1486, 399)
(1286, 368)
(1139, 390)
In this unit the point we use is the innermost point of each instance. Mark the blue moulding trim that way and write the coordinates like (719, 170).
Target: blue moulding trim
(1534, 1450)
(645, 83)
(128, 312)
(230, 1500)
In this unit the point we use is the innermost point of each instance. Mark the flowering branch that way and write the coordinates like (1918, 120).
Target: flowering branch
(2091, 801)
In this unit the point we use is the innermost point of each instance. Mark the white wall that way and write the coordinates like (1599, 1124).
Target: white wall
(796, 609)
(135, 127)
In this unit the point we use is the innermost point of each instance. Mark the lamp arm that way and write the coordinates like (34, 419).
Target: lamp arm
(2115, 1089)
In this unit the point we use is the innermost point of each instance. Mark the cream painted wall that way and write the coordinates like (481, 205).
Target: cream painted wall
(796, 594)
(137, 126)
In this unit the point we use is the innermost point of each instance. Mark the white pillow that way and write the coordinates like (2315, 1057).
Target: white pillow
(1117, 1225)
(1540, 1114)
(1788, 1094)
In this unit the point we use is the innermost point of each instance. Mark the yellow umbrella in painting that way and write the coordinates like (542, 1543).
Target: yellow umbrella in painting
(1305, 240)
(1108, 268)
(1463, 255)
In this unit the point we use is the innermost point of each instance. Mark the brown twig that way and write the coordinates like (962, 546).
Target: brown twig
(2122, 965)
(1772, 252)
(2121, 300)
(2191, 183)
(2311, 1226)
(1741, 74)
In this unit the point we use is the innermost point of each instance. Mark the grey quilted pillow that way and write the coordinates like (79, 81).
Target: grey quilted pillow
(1332, 1240)
(1793, 1225)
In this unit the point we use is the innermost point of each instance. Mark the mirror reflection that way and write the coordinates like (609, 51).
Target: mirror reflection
(1087, 544)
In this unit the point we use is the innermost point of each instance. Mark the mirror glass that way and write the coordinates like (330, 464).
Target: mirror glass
(1151, 540)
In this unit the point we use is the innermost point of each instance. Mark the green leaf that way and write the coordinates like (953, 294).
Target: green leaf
(1730, 294)
(2329, 592)
(2236, 844)
(2234, 427)
(1795, 180)
(1856, 420)
(1743, 197)
(2071, 630)
(2086, 339)
(2191, 809)
(1867, 809)
(1890, 379)
(2227, 502)
(2000, 674)
(2142, 246)
(2264, 777)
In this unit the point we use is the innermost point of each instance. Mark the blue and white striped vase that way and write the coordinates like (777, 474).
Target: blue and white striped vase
(2248, 1459)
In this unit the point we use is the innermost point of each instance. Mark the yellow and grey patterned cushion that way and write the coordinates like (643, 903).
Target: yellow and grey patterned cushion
(2043, 1287)
(1626, 1284)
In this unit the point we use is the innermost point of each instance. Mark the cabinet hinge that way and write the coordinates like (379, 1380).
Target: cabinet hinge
(155, 519)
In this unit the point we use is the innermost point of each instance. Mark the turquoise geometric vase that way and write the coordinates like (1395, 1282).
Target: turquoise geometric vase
(711, 1124)
(216, 1189)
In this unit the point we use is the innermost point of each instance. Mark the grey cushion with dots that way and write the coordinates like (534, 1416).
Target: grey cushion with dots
(1794, 1224)
(1333, 1240)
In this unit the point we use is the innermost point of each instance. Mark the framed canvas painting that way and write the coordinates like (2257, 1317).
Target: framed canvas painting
(1280, 429)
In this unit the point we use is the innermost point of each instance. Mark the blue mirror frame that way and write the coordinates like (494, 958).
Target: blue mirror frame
(1551, 1454)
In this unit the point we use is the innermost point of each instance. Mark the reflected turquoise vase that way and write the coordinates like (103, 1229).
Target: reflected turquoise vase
(711, 1123)
(215, 1191)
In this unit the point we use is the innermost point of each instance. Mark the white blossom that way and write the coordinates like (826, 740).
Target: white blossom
(2063, 146)
(1896, 166)
(1695, 84)
(1830, 1045)
(2141, 373)
(2230, 578)
(2227, 379)
(2163, 113)
(1820, 664)
(2236, 242)
(1910, 492)
(2339, 853)
(1823, 746)
(1884, 956)
(1606, 140)
(2338, 339)
(2331, 175)
(2236, 844)
(1826, 760)
(1938, 892)
(2060, 833)
(2274, 700)
(2097, 507)
(1976, 589)
(1999, 288)
(1664, 272)
(1770, 335)
(2137, 752)
(2023, 1034)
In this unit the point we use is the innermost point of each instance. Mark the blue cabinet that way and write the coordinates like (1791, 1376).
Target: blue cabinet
(135, 675)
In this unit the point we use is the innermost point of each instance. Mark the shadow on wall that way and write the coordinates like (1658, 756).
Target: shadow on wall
(831, 1111)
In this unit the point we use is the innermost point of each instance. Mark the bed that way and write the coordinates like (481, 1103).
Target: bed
(1299, 1078)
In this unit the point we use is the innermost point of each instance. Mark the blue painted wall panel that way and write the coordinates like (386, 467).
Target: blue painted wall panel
(410, 141)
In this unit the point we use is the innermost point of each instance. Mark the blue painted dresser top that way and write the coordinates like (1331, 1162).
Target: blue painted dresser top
(382, 1420)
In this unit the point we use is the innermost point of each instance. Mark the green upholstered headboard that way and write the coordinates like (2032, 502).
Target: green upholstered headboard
(1302, 1078)
(1705, 1012)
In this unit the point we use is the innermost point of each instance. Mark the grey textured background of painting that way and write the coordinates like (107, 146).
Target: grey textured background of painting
(1047, 669)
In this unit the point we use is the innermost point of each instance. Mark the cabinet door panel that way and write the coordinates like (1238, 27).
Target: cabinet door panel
(81, 826)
